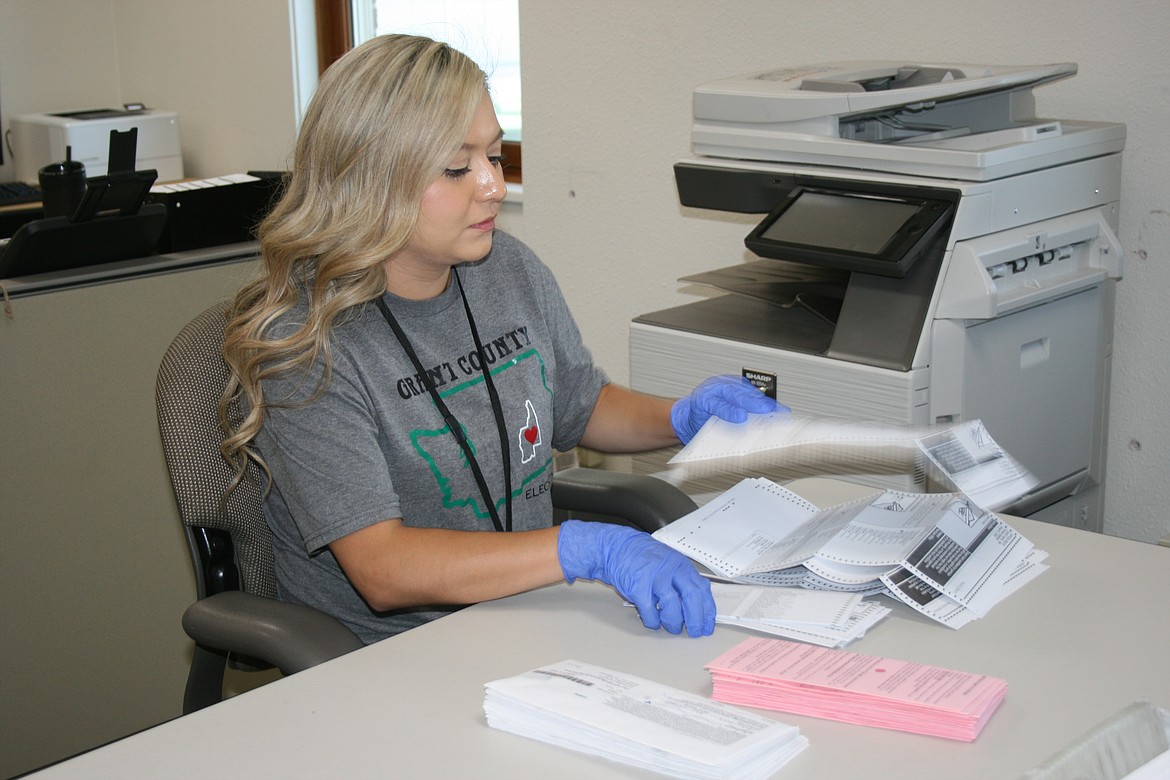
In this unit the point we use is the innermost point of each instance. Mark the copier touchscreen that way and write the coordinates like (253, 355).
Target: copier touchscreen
(852, 231)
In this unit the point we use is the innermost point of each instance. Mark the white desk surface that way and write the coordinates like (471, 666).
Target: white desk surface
(1082, 641)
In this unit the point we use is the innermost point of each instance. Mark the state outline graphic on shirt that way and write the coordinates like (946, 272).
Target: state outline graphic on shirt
(529, 440)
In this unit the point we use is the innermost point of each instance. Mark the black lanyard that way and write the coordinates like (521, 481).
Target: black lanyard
(453, 422)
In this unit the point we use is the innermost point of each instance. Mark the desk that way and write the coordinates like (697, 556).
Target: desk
(1083, 640)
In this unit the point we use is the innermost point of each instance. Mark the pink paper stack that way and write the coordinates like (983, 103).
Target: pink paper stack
(792, 677)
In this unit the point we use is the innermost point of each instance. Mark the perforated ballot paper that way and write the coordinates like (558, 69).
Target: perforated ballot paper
(624, 718)
(938, 553)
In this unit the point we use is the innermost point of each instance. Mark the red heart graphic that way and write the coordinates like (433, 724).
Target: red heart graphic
(530, 434)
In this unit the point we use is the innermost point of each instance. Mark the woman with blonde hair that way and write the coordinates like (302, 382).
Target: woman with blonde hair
(407, 370)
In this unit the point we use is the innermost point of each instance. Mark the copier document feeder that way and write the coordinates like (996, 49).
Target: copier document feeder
(930, 252)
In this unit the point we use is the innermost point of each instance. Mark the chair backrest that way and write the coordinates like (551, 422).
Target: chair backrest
(190, 382)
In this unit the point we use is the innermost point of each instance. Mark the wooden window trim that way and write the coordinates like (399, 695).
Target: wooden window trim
(335, 38)
(513, 165)
(334, 31)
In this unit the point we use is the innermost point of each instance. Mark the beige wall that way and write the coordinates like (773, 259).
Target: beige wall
(615, 77)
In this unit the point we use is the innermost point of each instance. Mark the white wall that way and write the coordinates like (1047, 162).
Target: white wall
(50, 65)
(615, 77)
(227, 67)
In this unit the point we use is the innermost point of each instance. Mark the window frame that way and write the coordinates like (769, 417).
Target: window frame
(335, 38)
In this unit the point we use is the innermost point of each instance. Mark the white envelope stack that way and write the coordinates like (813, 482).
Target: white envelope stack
(634, 721)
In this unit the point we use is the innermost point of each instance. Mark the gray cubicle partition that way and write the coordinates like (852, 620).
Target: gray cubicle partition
(94, 573)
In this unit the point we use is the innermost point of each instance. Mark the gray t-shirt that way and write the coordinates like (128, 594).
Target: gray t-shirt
(374, 446)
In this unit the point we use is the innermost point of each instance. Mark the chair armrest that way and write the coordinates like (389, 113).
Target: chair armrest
(291, 637)
(641, 500)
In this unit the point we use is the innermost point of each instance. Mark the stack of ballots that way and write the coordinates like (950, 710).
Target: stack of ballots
(938, 553)
(637, 722)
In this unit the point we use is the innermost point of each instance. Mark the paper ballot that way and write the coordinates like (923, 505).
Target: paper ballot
(827, 618)
(939, 553)
(634, 721)
(962, 455)
(854, 688)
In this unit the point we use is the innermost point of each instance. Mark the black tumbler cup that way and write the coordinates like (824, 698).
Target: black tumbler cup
(62, 187)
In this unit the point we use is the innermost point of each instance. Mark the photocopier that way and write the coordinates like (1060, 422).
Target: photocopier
(931, 252)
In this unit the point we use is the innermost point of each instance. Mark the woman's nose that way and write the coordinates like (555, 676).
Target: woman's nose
(489, 183)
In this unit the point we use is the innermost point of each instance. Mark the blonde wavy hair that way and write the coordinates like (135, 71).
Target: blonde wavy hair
(385, 121)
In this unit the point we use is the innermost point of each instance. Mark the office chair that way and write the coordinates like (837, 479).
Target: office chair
(236, 616)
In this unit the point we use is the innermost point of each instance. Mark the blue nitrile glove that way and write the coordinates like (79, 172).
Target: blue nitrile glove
(664, 585)
(728, 397)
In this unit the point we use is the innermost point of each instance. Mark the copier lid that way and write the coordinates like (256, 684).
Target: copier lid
(845, 88)
(949, 121)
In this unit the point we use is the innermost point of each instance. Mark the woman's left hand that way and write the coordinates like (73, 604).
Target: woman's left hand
(727, 397)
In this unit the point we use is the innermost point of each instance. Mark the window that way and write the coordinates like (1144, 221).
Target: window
(488, 31)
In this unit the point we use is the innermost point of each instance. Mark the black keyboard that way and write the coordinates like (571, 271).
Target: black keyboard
(16, 192)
